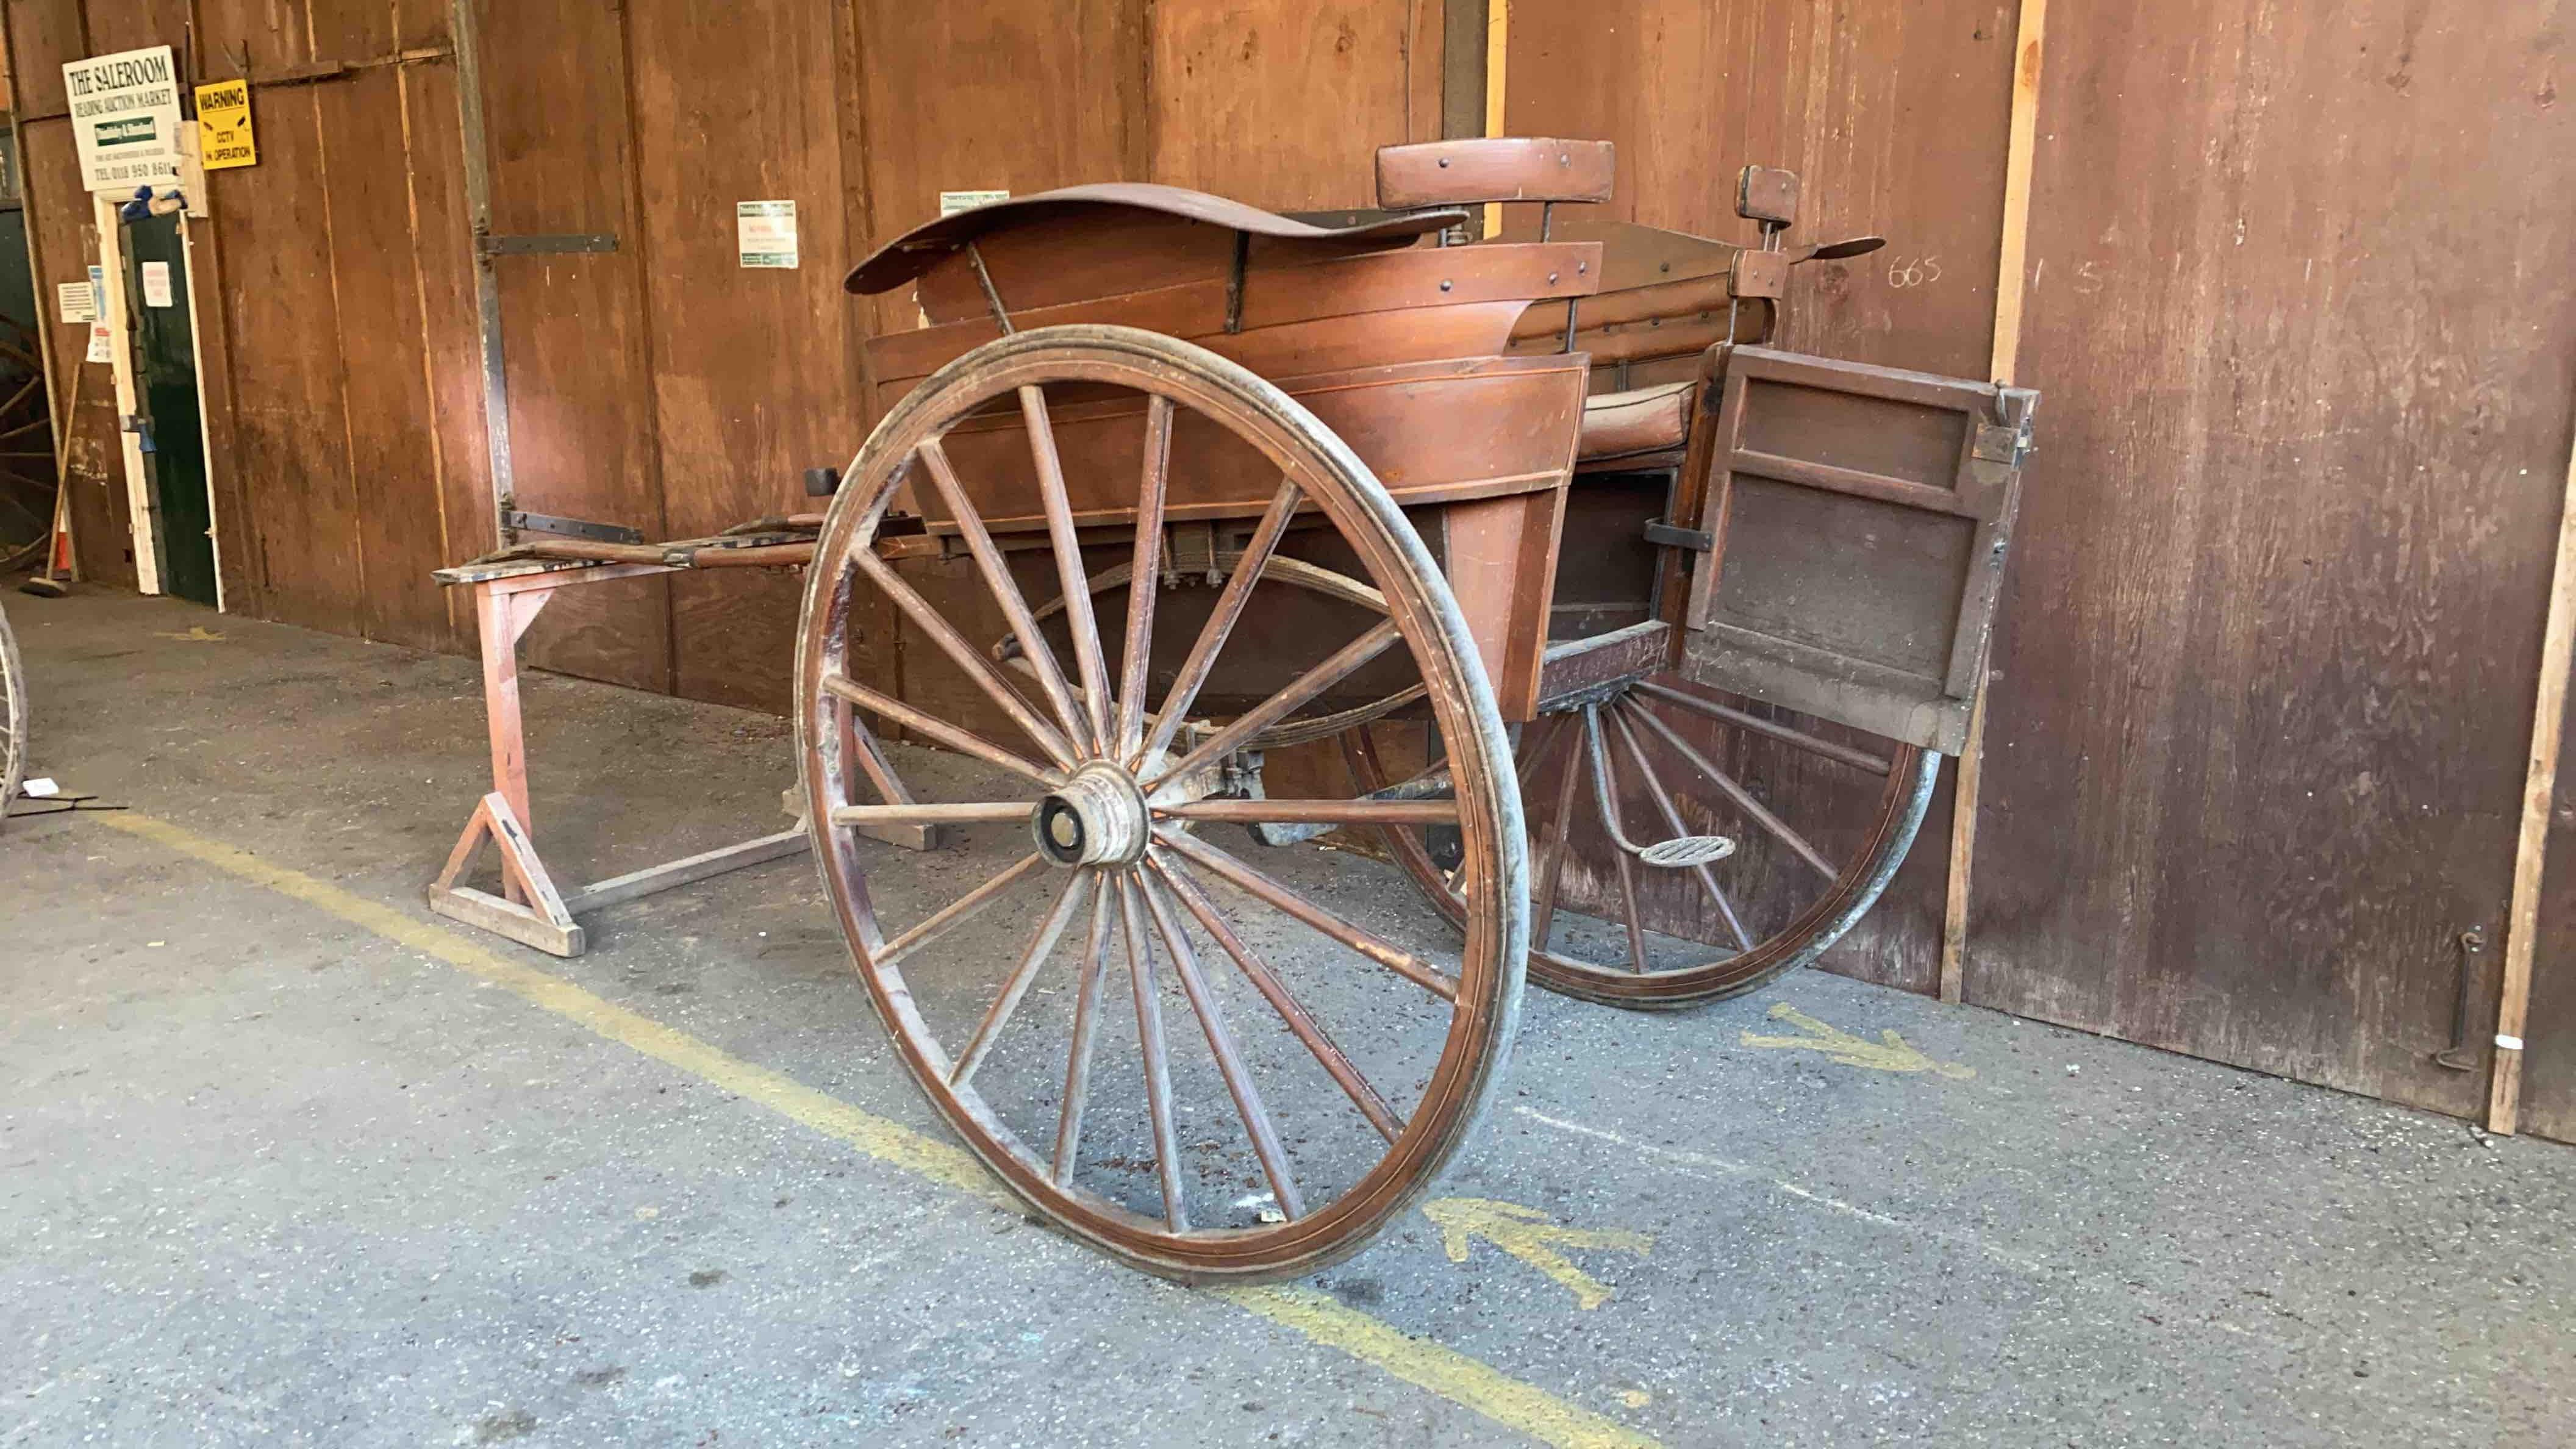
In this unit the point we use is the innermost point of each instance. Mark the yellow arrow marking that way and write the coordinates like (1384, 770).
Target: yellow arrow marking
(197, 634)
(1531, 1236)
(1887, 1054)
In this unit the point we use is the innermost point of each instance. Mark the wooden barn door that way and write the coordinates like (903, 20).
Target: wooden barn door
(567, 251)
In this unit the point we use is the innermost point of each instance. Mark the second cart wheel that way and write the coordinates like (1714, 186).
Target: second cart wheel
(13, 717)
(1821, 816)
(1212, 1069)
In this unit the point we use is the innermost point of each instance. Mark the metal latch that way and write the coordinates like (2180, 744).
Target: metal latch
(2012, 440)
(1669, 535)
(2463, 1055)
(518, 522)
(503, 246)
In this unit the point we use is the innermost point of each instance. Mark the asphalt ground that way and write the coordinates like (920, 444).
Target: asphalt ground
(285, 1159)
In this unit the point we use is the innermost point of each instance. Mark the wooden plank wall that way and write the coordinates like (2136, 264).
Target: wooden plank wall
(1894, 114)
(2308, 344)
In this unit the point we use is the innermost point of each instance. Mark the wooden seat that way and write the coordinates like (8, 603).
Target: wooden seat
(1494, 168)
(1635, 425)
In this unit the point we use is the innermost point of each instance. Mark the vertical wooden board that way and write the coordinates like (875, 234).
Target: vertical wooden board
(42, 35)
(115, 25)
(750, 382)
(2549, 1035)
(2256, 757)
(393, 452)
(1282, 104)
(66, 242)
(349, 30)
(574, 327)
(274, 34)
(290, 426)
(995, 95)
(1893, 112)
(453, 358)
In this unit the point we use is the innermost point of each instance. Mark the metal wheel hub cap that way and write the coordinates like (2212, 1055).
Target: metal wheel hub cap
(1098, 818)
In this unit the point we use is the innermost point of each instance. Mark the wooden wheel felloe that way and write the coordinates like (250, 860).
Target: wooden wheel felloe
(1821, 817)
(1210, 1068)
(13, 717)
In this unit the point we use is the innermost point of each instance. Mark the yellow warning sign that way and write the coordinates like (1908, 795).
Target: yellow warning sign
(223, 125)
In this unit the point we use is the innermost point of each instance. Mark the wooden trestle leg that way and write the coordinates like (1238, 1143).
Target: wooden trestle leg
(531, 909)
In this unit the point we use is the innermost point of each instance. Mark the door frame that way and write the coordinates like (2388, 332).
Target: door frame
(143, 508)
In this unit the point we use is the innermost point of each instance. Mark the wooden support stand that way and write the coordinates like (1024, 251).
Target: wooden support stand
(532, 909)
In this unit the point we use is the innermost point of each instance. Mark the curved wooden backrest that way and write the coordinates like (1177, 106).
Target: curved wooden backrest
(1496, 168)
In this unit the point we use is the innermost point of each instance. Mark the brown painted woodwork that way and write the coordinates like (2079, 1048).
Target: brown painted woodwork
(1499, 555)
(1502, 168)
(1274, 296)
(1431, 431)
(1861, 517)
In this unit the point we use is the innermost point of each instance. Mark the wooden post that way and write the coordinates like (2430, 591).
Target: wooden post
(1498, 35)
(2011, 273)
(2531, 848)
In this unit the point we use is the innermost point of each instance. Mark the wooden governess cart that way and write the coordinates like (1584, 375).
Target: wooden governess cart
(1556, 585)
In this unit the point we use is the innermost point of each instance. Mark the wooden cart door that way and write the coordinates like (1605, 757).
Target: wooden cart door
(1857, 519)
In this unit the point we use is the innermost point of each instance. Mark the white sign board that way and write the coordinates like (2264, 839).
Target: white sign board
(125, 118)
(156, 285)
(102, 343)
(953, 202)
(79, 303)
(765, 233)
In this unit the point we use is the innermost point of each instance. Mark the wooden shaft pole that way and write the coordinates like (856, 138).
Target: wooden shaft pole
(2531, 847)
(1498, 35)
(2012, 272)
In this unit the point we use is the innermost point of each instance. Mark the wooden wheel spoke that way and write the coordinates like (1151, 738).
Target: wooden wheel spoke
(1225, 866)
(1041, 946)
(1005, 591)
(1086, 1031)
(1301, 1022)
(1149, 1045)
(1673, 821)
(965, 656)
(1770, 729)
(1144, 576)
(1278, 706)
(1605, 794)
(1743, 798)
(1559, 840)
(964, 742)
(1229, 1062)
(1329, 812)
(1083, 623)
(955, 913)
(1221, 621)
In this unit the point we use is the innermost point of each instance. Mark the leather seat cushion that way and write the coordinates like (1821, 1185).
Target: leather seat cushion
(1646, 420)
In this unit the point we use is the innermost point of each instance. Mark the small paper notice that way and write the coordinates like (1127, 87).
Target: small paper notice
(41, 788)
(156, 284)
(765, 232)
(102, 343)
(78, 302)
(953, 202)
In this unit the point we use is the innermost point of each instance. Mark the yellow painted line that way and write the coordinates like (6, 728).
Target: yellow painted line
(1454, 1376)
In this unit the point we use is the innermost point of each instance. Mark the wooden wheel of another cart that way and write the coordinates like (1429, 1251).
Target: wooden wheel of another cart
(1821, 817)
(1204, 1069)
(13, 717)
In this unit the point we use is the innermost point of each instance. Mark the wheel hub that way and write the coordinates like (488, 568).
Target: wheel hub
(1098, 818)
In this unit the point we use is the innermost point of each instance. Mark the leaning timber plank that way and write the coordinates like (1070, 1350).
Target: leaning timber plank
(637, 884)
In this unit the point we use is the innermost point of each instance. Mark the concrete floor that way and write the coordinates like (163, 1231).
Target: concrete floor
(272, 1174)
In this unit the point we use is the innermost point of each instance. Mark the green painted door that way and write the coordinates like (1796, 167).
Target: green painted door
(165, 375)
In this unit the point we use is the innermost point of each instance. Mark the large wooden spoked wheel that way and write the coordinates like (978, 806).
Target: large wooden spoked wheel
(1821, 816)
(1207, 1070)
(13, 717)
